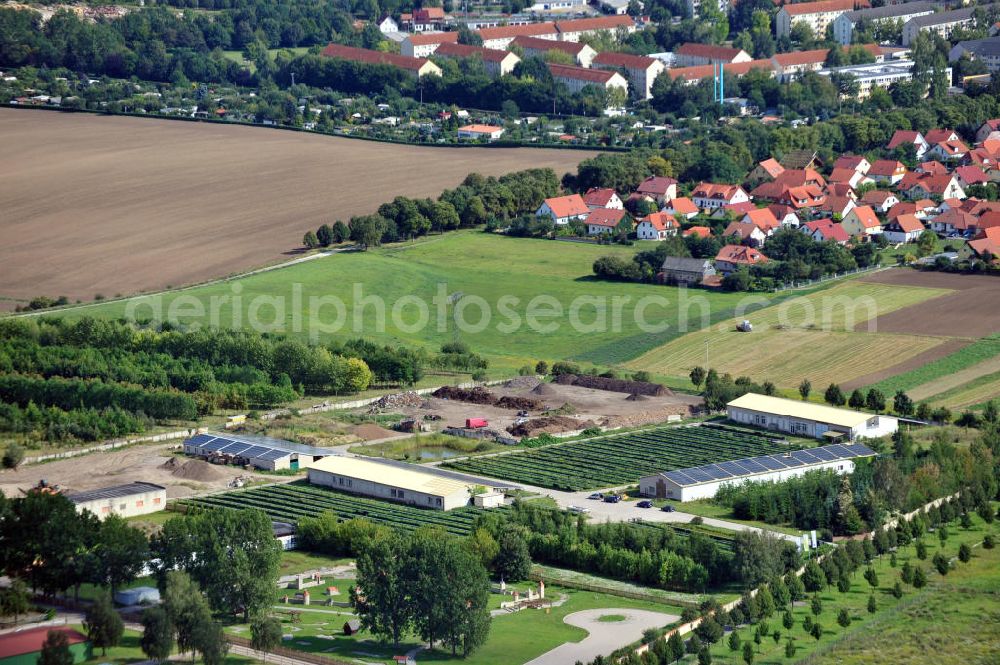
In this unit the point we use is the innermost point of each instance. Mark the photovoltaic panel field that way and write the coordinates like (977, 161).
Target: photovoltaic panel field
(289, 503)
(613, 461)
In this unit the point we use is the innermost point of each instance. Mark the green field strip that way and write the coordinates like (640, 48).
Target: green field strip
(979, 351)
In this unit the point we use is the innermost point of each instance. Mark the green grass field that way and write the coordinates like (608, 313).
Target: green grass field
(237, 56)
(556, 276)
(810, 336)
(955, 619)
(514, 638)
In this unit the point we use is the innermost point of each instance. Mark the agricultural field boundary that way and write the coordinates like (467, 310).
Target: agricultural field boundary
(982, 350)
(342, 135)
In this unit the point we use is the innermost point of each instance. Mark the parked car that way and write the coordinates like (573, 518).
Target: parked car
(644, 504)
(578, 509)
(612, 498)
(667, 508)
(596, 495)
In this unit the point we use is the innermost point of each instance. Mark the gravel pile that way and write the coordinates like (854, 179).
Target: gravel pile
(393, 401)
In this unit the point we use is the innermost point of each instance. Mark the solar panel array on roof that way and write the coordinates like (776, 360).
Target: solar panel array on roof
(262, 449)
(749, 466)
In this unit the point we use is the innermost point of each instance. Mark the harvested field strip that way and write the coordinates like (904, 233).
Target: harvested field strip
(785, 356)
(972, 395)
(296, 500)
(981, 351)
(806, 336)
(623, 458)
(957, 379)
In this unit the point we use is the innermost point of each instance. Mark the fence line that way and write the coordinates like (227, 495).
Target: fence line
(117, 443)
(611, 591)
(304, 656)
(358, 403)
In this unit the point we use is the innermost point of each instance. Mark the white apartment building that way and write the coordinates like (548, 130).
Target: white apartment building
(817, 15)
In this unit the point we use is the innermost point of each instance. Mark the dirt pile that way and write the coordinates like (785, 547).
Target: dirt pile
(393, 401)
(636, 397)
(371, 431)
(613, 385)
(543, 389)
(549, 425)
(519, 403)
(647, 417)
(522, 383)
(480, 395)
(195, 469)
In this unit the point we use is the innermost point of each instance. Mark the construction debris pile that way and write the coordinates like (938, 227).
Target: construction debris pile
(613, 385)
(522, 383)
(480, 395)
(395, 401)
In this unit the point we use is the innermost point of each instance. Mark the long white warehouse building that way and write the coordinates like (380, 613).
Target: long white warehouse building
(808, 418)
(702, 482)
(405, 484)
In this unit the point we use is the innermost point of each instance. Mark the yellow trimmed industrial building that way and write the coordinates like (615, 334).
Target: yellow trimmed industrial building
(808, 419)
(381, 480)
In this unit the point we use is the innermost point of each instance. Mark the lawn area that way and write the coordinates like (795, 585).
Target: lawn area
(810, 336)
(237, 56)
(921, 382)
(708, 508)
(514, 638)
(960, 612)
(574, 315)
(299, 561)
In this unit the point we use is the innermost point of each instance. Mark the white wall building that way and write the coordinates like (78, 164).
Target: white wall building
(405, 484)
(817, 15)
(942, 23)
(808, 419)
(122, 500)
(703, 482)
(877, 75)
(844, 25)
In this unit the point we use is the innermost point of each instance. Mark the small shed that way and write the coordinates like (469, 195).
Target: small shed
(488, 500)
(352, 627)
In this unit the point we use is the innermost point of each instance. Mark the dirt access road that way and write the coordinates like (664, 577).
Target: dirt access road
(100, 204)
(149, 463)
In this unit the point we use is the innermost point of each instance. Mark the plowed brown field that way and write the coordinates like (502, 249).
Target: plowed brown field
(96, 204)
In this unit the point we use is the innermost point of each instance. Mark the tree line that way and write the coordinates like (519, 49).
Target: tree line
(91, 379)
(476, 201)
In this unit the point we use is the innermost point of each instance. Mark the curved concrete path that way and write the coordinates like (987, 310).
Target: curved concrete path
(604, 637)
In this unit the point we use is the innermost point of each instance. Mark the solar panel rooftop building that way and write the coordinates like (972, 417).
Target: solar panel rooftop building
(261, 452)
(122, 500)
(702, 482)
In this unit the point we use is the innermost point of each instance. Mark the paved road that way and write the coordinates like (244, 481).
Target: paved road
(604, 637)
(626, 511)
